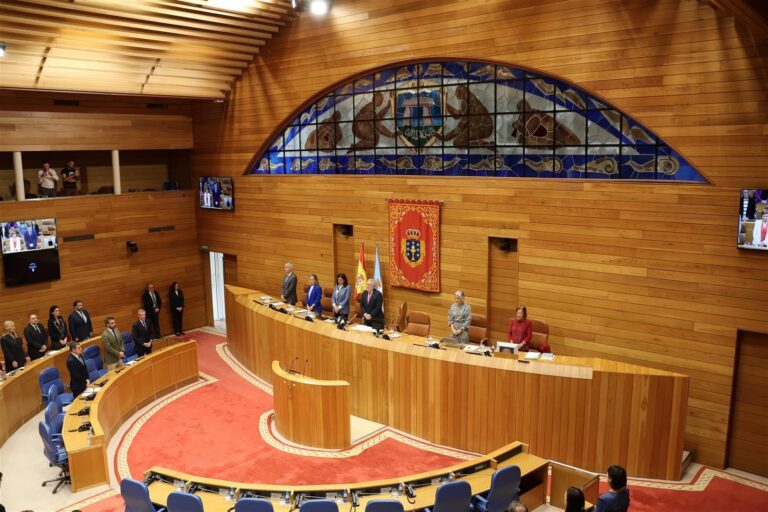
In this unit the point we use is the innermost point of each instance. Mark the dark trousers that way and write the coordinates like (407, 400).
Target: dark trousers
(176, 315)
(153, 321)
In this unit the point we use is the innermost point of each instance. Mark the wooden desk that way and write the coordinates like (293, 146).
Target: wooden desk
(127, 389)
(477, 472)
(585, 412)
(20, 394)
(311, 412)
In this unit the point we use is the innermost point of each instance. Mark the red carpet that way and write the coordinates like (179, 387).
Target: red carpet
(213, 432)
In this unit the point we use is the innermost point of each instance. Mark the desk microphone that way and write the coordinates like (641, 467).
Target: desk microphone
(291, 370)
(305, 366)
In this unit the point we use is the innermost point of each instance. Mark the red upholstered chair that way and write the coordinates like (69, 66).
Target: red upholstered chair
(540, 336)
(478, 329)
(418, 324)
(402, 318)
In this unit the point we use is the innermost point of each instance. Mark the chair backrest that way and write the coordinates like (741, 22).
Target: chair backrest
(327, 300)
(384, 506)
(91, 352)
(539, 336)
(127, 337)
(505, 487)
(453, 497)
(98, 361)
(93, 369)
(136, 496)
(418, 324)
(129, 348)
(478, 329)
(48, 377)
(253, 505)
(402, 317)
(184, 502)
(319, 506)
(53, 417)
(49, 448)
(53, 395)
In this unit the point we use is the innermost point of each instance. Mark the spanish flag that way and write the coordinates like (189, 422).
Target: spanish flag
(362, 277)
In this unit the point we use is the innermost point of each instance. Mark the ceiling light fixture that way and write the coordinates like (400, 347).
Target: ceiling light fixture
(2, 49)
(319, 7)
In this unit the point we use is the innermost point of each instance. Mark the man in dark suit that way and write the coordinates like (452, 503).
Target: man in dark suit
(36, 338)
(80, 326)
(152, 303)
(288, 289)
(78, 372)
(370, 306)
(142, 337)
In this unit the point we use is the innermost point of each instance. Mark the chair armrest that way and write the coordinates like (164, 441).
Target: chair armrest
(480, 503)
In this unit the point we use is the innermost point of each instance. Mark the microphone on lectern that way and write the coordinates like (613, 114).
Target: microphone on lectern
(291, 370)
(305, 367)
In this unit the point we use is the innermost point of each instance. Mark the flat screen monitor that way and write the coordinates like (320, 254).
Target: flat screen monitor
(30, 251)
(216, 193)
(753, 220)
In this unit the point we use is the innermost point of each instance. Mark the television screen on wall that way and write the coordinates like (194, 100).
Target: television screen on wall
(216, 193)
(753, 219)
(30, 251)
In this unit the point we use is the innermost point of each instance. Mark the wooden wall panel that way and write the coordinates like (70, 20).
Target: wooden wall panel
(644, 273)
(101, 272)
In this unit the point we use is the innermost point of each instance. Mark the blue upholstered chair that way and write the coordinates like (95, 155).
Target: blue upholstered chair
(253, 505)
(384, 506)
(94, 372)
(319, 506)
(129, 349)
(452, 497)
(54, 419)
(184, 502)
(91, 352)
(136, 497)
(505, 487)
(53, 396)
(56, 455)
(50, 376)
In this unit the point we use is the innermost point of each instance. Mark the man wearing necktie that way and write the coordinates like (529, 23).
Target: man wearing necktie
(152, 303)
(36, 338)
(80, 326)
(78, 372)
(288, 288)
(114, 350)
(141, 334)
(370, 306)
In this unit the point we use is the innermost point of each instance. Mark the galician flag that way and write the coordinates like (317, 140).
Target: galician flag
(377, 283)
(362, 277)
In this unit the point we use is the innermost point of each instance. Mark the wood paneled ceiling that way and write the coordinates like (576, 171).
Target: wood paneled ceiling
(187, 48)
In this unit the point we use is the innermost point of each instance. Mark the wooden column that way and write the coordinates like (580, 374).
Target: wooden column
(116, 172)
(18, 170)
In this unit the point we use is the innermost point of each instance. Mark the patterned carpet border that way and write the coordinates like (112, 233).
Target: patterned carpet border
(700, 481)
(90, 501)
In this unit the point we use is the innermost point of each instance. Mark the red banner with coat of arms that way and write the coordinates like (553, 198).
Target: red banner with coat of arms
(414, 244)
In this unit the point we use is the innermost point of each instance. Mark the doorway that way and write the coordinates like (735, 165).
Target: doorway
(217, 290)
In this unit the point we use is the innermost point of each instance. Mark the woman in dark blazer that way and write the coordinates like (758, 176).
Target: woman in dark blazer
(13, 350)
(57, 328)
(340, 297)
(176, 298)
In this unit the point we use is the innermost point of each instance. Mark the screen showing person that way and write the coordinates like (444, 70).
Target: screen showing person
(216, 193)
(753, 219)
(28, 235)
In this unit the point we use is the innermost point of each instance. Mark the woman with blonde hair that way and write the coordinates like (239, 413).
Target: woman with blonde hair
(13, 351)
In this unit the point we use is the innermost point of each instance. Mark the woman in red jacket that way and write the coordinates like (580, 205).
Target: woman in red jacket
(520, 329)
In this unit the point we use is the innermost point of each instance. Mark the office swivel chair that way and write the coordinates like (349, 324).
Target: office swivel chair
(56, 455)
(136, 496)
(505, 488)
(184, 502)
(319, 506)
(452, 497)
(50, 376)
(384, 506)
(253, 505)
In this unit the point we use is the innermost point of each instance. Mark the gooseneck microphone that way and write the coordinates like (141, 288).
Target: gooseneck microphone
(291, 370)
(305, 367)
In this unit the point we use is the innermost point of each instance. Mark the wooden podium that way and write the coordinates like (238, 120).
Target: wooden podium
(311, 412)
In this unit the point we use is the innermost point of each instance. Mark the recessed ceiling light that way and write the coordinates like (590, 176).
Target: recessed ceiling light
(319, 7)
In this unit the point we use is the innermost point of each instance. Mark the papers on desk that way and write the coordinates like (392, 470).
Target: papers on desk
(475, 348)
(129, 363)
(548, 356)
(532, 356)
(298, 311)
(266, 299)
(329, 321)
(394, 335)
(362, 328)
(89, 392)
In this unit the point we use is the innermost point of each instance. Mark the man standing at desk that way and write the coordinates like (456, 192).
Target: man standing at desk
(114, 350)
(152, 305)
(141, 335)
(370, 306)
(78, 372)
(36, 338)
(288, 291)
(80, 326)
